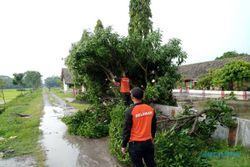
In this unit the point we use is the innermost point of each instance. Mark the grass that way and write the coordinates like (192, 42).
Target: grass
(22, 134)
(233, 156)
(61, 94)
(11, 94)
(79, 106)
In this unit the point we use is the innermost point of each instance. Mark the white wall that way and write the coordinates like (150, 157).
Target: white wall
(240, 95)
(65, 86)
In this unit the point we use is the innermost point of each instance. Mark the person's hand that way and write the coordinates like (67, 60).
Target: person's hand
(124, 150)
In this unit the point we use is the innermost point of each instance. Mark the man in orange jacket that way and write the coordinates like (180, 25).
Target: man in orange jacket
(124, 88)
(139, 131)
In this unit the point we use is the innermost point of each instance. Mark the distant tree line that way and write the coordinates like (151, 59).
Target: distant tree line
(29, 79)
(231, 54)
(7, 82)
(52, 82)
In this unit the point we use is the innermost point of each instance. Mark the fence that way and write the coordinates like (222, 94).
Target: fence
(240, 95)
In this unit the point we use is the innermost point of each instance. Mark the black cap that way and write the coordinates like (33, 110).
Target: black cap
(137, 93)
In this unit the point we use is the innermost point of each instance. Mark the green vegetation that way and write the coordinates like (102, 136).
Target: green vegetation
(11, 94)
(79, 106)
(8, 82)
(92, 122)
(76, 104)
(100, 56)
(7, 95)
(53, 81)
(229, 77)
(178, 148)
(29, 79)
(231, 54)
(59, 92)
(140, 14)
(115, 133)
(182, 143)
(32, 79)
(18, 80)
(233, 156)
(21, 134)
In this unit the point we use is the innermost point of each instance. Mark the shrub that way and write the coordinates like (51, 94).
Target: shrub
(151, 93)
(115, 133)
(172, 148)
(92, 122)
(177, 148)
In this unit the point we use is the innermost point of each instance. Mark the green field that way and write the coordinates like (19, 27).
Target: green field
(20, 135)
(10, 94)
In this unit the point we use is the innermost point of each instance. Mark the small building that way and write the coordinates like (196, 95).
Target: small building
(66, 78)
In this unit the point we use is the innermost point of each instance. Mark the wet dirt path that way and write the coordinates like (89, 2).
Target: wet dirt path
(64, 150)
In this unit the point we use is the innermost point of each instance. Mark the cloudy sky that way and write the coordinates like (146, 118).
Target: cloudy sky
(37, 34)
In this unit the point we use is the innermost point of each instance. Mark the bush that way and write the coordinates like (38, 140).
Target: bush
(177, 148)
(172, 148)
(151, 93)
(92, 122)
(2, 108)
(115, 133)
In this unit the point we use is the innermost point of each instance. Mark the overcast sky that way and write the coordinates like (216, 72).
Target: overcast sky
(37, 34)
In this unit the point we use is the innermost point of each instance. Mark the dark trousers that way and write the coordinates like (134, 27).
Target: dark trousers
(139, 151)
(127, 98)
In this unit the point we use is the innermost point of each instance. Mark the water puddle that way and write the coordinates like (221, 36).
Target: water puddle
(64, 150)
(18, 162)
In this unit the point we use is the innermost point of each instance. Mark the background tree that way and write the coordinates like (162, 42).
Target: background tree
(225, 77)
(205, 81)
(231, 54)
(53, 81)
(235, 71)
(8, 82)
(32, 79)
(2, 84)
(140, 14)
(98, 26)
(18, 80)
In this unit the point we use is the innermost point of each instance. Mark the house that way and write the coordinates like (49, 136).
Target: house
(190, 73)
(66, 78)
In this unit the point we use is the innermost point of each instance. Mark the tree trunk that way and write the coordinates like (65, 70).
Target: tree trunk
(231, 85)
(3, 97)
(232, 136)
(238, 85)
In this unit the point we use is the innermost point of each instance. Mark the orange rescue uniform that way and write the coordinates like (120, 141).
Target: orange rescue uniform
(142, 116)
(140, 124)
(125, 88)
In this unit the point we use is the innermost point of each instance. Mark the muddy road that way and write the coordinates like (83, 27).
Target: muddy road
(62, 149)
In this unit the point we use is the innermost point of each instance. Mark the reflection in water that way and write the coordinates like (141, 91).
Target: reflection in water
(242, 108)
(63, 150)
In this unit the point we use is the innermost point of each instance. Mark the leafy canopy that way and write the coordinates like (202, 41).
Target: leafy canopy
(18, 79)
(235, 71)
(140, 14)
(53, 81)
(32, 79)
(100, 56)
